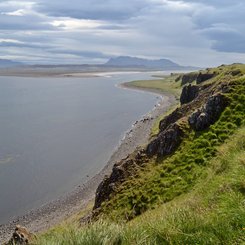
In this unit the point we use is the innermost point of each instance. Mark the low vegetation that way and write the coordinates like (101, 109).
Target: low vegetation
(164, 85)
(212, 213)
(164, 179)
(196, 195)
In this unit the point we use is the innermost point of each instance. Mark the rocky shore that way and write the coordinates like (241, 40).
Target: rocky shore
(59, 210)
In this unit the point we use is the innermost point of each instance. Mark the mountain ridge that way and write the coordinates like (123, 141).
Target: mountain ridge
(129, 61)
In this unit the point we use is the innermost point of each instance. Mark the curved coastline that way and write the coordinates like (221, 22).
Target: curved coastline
(59, 210)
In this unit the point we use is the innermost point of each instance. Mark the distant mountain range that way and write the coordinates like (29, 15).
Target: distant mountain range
(127, 61)
(120, 63)
(8, 63)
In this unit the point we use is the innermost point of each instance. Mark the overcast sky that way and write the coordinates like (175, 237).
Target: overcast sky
(200, 33)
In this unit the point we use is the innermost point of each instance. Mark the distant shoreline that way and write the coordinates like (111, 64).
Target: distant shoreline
(46, 72)
(59, 210)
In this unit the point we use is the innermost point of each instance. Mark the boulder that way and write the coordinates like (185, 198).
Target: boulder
(171, 118)
(202, 77)
(21, 236)
(189, 78)
(209, 113)
(189, 93)
(166, 142)
(120, 172)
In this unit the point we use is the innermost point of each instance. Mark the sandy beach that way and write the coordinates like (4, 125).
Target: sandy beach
(52, 213)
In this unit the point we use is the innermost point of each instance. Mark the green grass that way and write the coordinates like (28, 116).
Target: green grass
(213, 213)
(194, 196)
(164, 85)
(164, 179)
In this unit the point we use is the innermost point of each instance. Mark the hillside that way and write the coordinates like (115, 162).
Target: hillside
(186, 186)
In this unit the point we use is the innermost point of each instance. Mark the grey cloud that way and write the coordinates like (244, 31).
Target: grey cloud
(92, 9)
(226, 40)
(224, 26)
(148, 28)
(24, 45)
(28, 22)
(81, 53)
(218, 3)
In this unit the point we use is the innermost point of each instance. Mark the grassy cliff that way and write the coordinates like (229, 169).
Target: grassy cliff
(193, 194)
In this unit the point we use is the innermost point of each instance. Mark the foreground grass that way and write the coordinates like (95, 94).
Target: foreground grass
(213, 213)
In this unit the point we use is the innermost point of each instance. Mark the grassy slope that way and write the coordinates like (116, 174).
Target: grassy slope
(213, 213)
(196, 196)
(164, 85)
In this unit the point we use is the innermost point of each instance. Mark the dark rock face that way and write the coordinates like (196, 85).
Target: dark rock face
(189, 93)
(188, 78)
(172, 118)
(201, 106)
(166, 142)
(209, 113)
(121, 171)
(202, 77)
(20, 236)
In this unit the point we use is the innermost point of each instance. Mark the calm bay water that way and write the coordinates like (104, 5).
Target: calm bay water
(55, 133)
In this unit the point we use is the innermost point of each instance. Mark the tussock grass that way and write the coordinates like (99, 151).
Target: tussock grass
(212, 213)
(195, 196)
(164, 179)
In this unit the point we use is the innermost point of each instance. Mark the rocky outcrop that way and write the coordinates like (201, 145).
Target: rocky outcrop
(171, 118)
(202, 77)
(189, 93)
(166, 142)
(189, 78)
(209, 113)
(201, 106)
(121, 171)
(21, 236)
